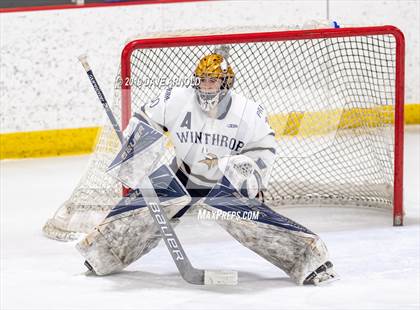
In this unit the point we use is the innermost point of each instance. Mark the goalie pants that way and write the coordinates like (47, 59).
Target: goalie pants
(122, 238)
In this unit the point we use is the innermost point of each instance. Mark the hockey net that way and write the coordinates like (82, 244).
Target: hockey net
(334, 98)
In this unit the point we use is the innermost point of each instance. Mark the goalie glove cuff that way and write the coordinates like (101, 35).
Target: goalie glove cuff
(252, 186)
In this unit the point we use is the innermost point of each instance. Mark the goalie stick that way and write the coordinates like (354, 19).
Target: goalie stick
(188, 272)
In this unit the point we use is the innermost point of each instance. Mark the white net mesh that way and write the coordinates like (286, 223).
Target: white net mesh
(331, 104)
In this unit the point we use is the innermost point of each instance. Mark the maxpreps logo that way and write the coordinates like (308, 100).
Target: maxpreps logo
(220, 215)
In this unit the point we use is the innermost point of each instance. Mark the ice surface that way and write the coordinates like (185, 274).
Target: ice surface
(378, 264)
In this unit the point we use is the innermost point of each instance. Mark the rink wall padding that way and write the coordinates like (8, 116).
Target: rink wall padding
(76, 141)
(305, 124)
(412, 114)
(48, 143)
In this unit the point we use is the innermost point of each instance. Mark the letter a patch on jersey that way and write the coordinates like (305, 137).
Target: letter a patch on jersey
(187, 121)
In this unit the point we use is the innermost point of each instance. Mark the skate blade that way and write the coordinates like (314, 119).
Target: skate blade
(328, 281)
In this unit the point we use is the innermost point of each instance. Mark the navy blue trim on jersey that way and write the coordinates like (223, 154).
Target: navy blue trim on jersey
(272, 150)
(261, 164)
(197, 176)
(223, 115)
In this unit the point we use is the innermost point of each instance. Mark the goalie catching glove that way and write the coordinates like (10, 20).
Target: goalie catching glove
(243, 173)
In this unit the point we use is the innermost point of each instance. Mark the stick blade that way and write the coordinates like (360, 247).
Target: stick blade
(220, 277)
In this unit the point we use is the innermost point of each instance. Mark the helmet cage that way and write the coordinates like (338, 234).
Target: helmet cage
(209, 100)
(213, 66)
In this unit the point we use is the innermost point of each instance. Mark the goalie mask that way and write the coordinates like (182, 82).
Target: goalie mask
(216, 78)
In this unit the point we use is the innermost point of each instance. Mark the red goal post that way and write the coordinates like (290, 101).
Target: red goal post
(317, 35)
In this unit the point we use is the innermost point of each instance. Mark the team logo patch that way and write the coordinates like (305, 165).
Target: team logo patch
(210, 160)
(232, 126)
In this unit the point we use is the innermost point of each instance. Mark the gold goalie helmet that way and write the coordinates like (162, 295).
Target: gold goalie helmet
(216, 78)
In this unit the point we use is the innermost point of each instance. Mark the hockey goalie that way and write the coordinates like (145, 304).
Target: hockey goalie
(224, 150)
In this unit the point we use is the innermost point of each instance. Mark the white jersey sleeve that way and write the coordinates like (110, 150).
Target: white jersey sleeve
(157, 109)
(261, 147)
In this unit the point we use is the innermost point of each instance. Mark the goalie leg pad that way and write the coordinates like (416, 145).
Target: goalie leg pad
(122, 239)
(286, 244)
(296, 253)
(129, 231)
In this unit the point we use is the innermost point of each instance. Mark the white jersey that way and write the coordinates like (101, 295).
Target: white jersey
(200, 140)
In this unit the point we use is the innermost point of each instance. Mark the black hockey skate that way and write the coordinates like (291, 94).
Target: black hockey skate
(322, 275)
